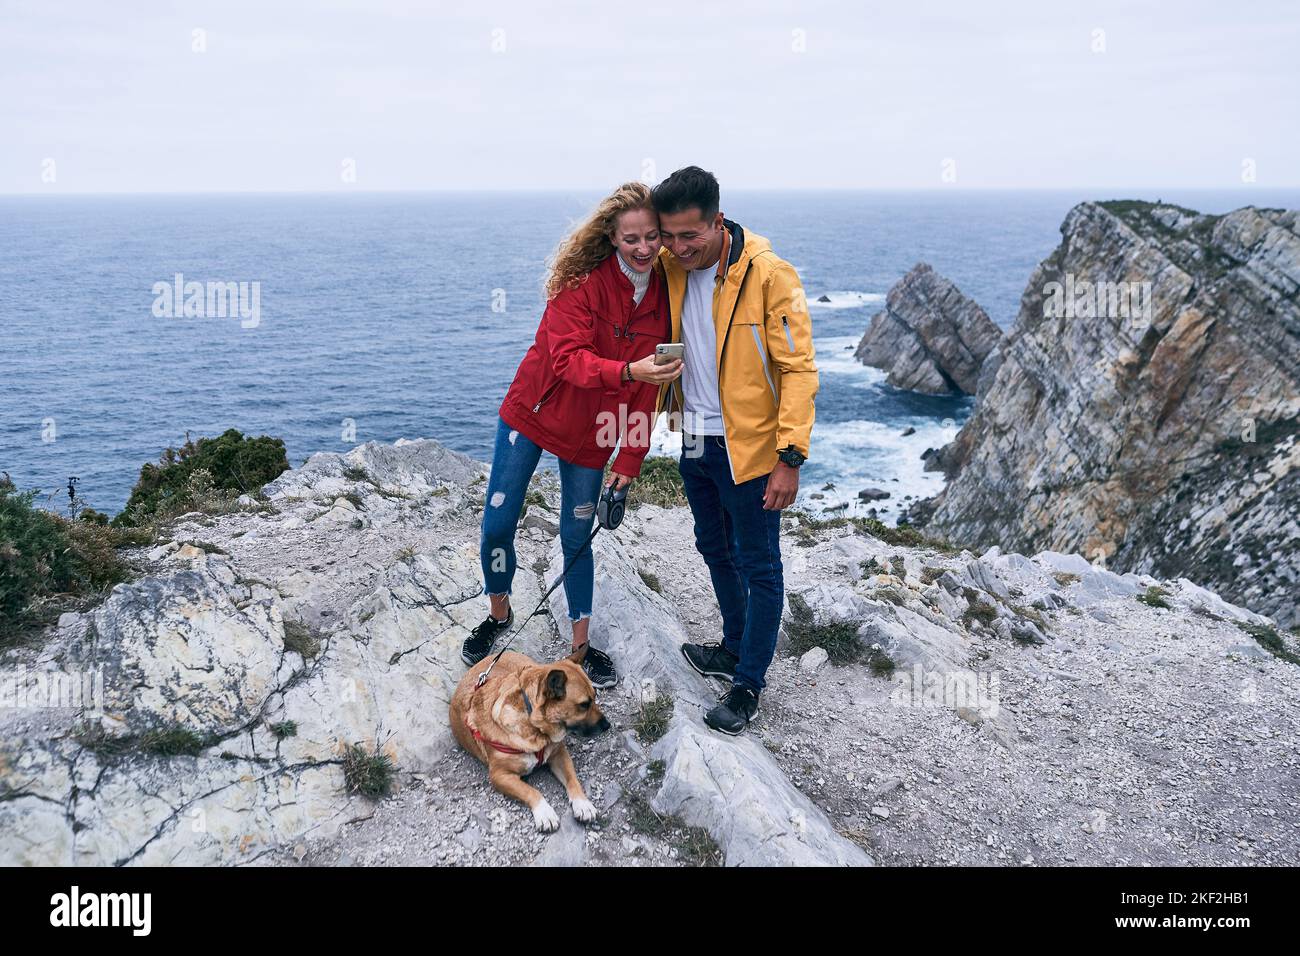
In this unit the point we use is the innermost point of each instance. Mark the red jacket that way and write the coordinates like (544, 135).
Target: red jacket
(568, 395)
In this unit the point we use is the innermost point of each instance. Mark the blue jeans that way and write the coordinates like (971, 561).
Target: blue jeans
(514, 459)
(741, 544)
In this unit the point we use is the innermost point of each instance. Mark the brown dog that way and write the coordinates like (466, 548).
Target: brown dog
(517, 721)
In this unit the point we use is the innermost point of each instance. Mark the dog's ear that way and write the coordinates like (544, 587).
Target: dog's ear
(579, 655)
(556, 683)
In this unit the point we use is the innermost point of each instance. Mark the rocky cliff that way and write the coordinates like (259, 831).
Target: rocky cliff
(1145, 409)
(990, 708)
(929, 337)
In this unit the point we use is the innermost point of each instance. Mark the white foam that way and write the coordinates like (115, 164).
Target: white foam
(854, 455)
(861, 454)
(844, 299)
(834, 356)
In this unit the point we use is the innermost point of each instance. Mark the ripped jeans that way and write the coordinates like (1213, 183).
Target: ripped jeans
(514, 459)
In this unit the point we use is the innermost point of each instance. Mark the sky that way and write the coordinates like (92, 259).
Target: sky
(259, 95)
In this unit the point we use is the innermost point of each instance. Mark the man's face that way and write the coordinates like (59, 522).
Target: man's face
(695, 241)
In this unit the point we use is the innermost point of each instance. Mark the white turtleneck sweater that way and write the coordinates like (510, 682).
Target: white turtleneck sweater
(640, 280)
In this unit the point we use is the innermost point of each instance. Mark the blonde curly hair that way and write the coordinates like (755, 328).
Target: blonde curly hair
(590, 244)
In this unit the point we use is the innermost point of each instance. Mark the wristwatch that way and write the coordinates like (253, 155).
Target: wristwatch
(791, 456)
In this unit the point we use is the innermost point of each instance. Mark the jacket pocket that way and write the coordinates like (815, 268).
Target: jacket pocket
(785, 325)
(546, 395)
(762, 358)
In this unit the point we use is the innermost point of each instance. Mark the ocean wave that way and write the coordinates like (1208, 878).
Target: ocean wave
(857, 454)
(844, 300)
(835, 357)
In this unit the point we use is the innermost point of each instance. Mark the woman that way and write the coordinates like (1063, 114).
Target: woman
(587, 382)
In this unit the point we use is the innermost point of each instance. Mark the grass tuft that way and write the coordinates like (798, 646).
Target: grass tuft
(368, 773)
(977, 609)
(1154, 596)
(694, 845)
(172, 740)
(301, 639)
(284, 728)
(651, 580)
(653, 718)
(1270, 640)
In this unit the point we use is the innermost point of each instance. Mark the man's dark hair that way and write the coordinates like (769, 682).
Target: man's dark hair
(688, 188)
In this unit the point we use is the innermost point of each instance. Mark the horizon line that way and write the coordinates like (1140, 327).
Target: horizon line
(54, 193)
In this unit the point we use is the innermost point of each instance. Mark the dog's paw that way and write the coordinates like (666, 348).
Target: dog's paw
(584, 810)
(545, 818)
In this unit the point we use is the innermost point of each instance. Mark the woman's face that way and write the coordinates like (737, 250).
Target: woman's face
(636, 237)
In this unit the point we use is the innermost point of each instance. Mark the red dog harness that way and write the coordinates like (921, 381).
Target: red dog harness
(539, 755)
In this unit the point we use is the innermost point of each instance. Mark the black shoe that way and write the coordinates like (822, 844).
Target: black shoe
(479, 642)
(711, 660)
(599, 668)
(734, 712)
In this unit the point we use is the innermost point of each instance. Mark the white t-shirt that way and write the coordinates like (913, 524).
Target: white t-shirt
(703, 412)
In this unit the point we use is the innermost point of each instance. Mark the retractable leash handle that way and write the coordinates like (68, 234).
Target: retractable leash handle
(610, 508)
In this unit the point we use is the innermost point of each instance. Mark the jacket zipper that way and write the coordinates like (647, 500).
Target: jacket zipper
(731, 318)
(545, 395)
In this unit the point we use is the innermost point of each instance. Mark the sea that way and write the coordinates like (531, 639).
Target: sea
(379, 316)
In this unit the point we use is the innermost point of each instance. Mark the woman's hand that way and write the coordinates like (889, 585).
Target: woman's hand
(618, 481)
(645, 370)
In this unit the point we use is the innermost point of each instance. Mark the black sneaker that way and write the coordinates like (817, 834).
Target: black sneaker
(479, 642)
(711, 660)
(599, 668)
(734, 712)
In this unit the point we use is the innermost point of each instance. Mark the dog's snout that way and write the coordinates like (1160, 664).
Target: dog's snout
(590, 728)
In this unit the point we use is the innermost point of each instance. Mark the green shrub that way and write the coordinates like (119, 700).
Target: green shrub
(1154, 597)
(44, 556)
(203, 475)
(977, 609)
(904, 535)
(839, 638)
(931, 574)
(660, 483)
(1270, 640)
(302, 639)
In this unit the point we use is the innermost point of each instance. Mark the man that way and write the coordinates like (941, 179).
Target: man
(745, 405)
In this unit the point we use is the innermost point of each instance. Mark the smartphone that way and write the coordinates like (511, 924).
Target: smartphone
(668, 351)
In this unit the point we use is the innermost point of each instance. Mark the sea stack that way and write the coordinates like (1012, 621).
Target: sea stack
(930, 337)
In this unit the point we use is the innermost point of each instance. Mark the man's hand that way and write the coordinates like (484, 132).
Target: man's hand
(782, 486)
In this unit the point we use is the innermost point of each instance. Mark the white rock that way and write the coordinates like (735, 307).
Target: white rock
(813, 660)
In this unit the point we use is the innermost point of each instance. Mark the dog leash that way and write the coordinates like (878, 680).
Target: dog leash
(609, 514)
